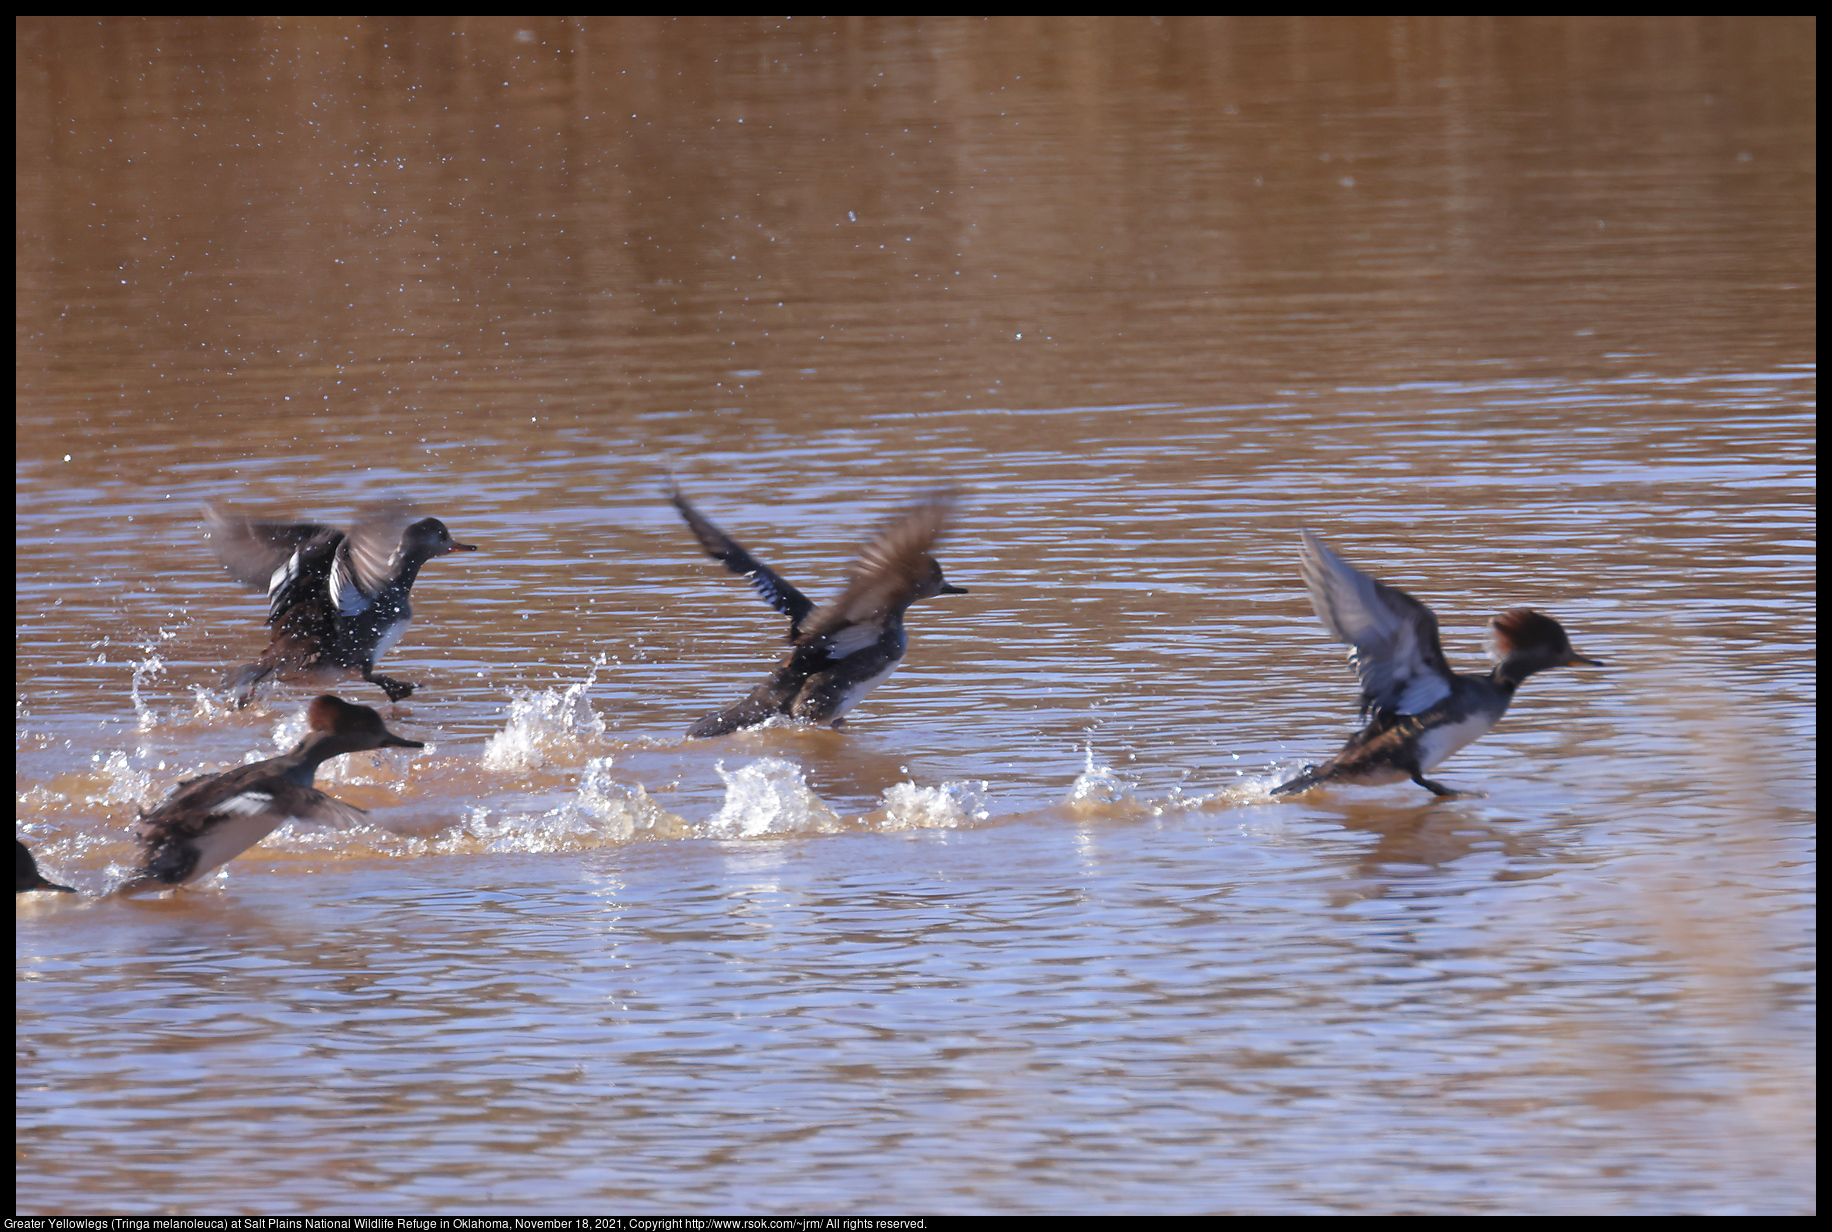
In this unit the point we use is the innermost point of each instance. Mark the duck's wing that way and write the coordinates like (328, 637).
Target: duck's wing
(306, 577)
(310, 804)
(252, 549)
(1395, 637)
(890, 571)
(201, 805)
(221, 819)
(728, 552)
(372, 550)
(345, 568)
(193, 804)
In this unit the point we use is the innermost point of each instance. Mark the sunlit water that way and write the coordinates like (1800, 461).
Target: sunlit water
(1027, 934)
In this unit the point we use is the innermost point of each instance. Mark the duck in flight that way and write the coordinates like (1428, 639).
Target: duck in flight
(841, 650)
(1421, 711)
(337, 600)
(207, 822)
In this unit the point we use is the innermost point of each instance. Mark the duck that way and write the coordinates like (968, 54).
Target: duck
(842, 650)
(337, 599)
(1419, 711)
(26, 875)
(207, 822)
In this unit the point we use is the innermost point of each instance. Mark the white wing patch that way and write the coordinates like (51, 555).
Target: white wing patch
(345, 593)
(854, 638)
(247, 804)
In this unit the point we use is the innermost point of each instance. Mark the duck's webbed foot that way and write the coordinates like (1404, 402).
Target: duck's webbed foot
(395, 689)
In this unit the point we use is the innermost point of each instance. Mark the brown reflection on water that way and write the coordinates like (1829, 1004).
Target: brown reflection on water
(423, 218)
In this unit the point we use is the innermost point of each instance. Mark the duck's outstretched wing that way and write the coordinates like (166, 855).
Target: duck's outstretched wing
(893, 570)
(728, 552)
(1395, 637)
(251, 549)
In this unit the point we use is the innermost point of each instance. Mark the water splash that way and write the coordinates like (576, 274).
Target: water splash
(144, 671)
(602, 813)
(947, 807)
(120, 783)
(208, 703)
(290, 730)
(1099, 791)
(771, 796)
(552, 724)
(610, 811)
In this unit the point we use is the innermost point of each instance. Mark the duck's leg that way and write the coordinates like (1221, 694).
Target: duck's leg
(395, 689)
(1441, 790)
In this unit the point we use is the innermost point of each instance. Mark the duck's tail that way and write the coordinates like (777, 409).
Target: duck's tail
(764, 704)
(1310, 778)
(284, 654)
(29, 878)
(240, 683)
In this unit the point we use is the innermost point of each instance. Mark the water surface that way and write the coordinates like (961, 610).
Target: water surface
(1510, 312)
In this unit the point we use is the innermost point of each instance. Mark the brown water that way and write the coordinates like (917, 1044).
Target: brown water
(1511, 312)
